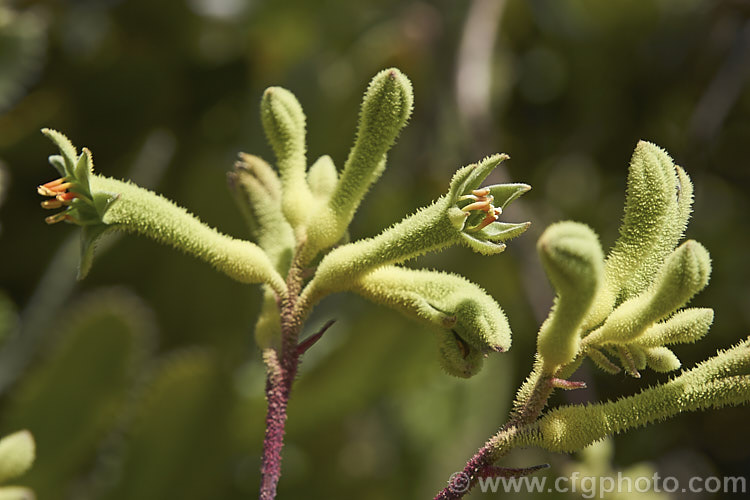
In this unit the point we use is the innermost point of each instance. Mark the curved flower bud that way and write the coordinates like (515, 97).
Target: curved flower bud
(284, 124)
(257, 190)
(683, 275)
(460, 217)
(322, 178)
(101, 204)
(472, 323)
(574, 262)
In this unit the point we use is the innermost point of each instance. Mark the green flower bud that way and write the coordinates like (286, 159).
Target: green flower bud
(322, 178)
(653, 222)
(386, 108)
(446, 301)
(685, 326)
(257, 190)
(683, 274)
(16, 454)
(662, 359)
(657, 209)
(574, 262)
(457, 358)
(602, 361)
(284, 124)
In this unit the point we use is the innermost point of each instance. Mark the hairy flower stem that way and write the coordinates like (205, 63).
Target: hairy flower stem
(281, 369)
(501, 443)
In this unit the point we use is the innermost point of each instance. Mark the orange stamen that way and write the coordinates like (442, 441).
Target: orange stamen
(489, 219)
(481, 192)
(61, 188)
(482, 204)
(58, 217)
(51, 204)
(67, 196)
(54, 183)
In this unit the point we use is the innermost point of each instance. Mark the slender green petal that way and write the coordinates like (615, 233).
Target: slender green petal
(68, 152)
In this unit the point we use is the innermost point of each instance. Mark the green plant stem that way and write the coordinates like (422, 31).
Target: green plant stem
(501, 443)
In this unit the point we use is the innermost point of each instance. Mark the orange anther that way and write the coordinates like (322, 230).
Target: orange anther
(481, 192)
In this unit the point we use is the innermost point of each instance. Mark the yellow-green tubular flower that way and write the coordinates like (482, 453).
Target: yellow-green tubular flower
(662, 359)
(684, 273)
(386, 108)
(471, 323)
(322, 178)
(284, 124)
(101, 204)
(686, 326)
(657, 209)
(17, 452)
(723, 380)
(257, 190)
(466, 215)
(574, 262)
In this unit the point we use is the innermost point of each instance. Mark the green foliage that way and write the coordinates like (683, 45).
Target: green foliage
(22, 50)
(183, 408)
(75, 397)
(8, 316)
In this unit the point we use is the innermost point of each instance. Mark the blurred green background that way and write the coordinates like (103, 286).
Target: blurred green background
(142, 382)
